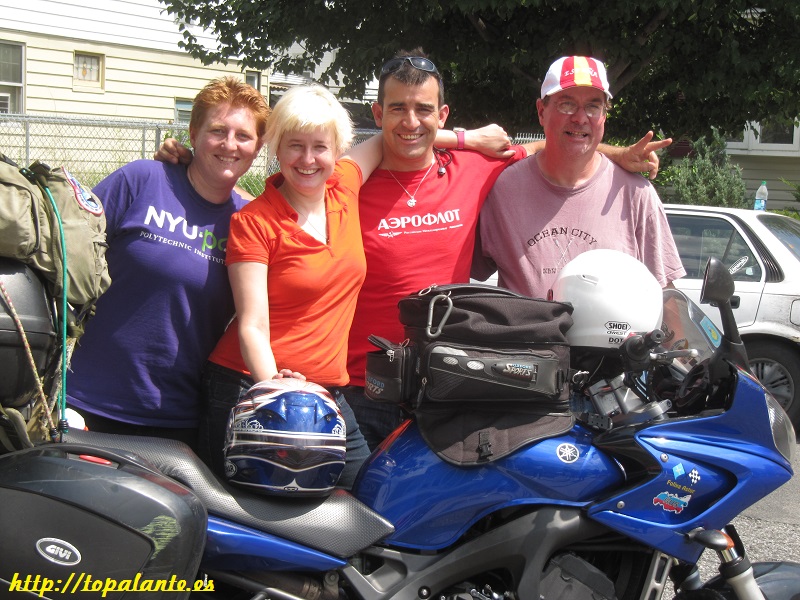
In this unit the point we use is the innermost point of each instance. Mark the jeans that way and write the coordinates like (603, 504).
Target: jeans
(377, 420)
(223, 388)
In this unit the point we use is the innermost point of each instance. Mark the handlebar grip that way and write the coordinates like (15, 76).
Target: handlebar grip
(654, 338)
(637, 347)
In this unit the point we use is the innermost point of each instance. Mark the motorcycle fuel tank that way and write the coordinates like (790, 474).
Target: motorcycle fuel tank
(432, 502)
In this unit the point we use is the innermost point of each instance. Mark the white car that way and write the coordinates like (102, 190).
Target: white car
(762, 250)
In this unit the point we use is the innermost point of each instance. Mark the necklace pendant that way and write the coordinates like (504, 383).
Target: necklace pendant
(412, 202)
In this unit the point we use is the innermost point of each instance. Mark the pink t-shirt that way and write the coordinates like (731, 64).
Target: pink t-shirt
(530, 228)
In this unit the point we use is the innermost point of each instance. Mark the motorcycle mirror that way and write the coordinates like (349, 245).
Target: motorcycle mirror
(718, 288)
(718, 284)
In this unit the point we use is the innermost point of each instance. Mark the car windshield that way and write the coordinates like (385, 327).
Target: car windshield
(785, 229)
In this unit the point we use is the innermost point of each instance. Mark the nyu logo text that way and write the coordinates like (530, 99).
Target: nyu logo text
(164, 219)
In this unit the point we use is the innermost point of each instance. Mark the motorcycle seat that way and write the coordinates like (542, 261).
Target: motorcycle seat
(338, 524)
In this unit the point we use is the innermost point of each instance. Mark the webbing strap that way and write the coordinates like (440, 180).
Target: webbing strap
(28, 352)
(62, 392)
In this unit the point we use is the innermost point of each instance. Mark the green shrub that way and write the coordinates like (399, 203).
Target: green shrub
(794, 187)
(181, 134)
(787, 212)
(705, 178)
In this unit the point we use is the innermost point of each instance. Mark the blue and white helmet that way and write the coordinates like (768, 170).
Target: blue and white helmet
(287, 436)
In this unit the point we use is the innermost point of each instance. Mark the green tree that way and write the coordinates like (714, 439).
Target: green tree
(706, 178)
(676, 65)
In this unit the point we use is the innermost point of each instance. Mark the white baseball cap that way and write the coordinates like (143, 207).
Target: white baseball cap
(573, 71)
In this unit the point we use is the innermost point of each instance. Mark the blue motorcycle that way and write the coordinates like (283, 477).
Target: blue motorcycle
(665, 453)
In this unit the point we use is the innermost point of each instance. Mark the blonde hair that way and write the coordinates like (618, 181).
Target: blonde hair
(233, 91)
(306, 108)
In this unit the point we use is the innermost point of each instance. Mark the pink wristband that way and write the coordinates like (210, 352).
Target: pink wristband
(460, 138)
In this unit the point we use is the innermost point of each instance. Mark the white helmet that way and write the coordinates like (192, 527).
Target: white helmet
(613, 295)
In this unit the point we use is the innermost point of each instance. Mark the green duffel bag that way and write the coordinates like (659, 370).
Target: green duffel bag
(36, 204)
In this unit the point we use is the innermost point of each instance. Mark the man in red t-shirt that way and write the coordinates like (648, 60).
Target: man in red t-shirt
(419, 212)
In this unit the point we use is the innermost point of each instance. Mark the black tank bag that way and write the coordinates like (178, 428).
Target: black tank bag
(483, 343)
(492, 369)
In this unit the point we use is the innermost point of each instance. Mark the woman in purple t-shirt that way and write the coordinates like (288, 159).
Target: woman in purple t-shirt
(136, 370)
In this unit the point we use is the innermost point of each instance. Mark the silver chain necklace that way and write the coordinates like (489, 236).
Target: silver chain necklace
(412, 198)
(323, 237)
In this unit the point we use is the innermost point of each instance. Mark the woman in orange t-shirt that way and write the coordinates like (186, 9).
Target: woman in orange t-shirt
(296, 264)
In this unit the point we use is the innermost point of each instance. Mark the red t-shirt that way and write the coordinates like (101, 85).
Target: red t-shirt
(410, 248)
(312, 286)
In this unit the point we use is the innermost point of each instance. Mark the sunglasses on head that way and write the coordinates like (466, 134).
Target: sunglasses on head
(423, 64)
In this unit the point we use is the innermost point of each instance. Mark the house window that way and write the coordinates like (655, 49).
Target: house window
(767, 137)
(253, 78)
(88, 70)
(10, 78)
(737, 141)
(183, 111)
(776, 133)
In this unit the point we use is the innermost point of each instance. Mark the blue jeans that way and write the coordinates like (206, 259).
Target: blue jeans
(221, 389)
(376, 419)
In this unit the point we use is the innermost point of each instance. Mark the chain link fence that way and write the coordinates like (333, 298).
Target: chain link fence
(92, 148)
(89, 148)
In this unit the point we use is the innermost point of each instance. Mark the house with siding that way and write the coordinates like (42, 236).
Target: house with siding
(769, 153)
(101, 59)
(764, 153)
(94, 84)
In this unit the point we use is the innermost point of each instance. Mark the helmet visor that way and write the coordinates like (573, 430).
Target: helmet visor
(273, 472)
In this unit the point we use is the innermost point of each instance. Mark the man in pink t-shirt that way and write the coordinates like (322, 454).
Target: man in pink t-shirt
(569, 198)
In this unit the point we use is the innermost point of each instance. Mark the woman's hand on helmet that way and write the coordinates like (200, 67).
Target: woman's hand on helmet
(274, 416)
(289, 373)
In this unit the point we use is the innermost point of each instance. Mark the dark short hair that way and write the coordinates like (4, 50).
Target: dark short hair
(410, 75)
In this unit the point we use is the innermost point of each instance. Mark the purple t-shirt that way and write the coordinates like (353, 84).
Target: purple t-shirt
(139, 360)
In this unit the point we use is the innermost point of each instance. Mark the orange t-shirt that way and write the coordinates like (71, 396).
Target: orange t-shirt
(312, 286)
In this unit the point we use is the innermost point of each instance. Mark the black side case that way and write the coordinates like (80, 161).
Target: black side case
(70, 511)
(27, 293)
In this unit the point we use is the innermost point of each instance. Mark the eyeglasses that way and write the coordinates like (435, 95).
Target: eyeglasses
(592, 110)
(418, 62)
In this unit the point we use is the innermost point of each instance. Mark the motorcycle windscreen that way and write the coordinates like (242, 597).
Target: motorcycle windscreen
(686, 326)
